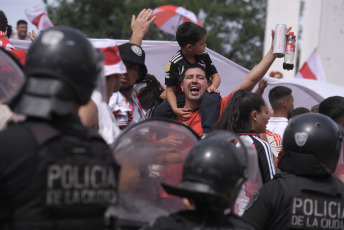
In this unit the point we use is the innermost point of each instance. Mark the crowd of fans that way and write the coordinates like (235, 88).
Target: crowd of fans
(109, 90)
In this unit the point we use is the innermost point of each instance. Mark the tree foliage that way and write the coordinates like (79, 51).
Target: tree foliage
(235, 27)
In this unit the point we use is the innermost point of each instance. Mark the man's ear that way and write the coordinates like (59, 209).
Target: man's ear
(285, 104)
(182, 87)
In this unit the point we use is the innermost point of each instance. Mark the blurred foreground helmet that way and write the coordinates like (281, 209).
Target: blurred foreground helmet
(311, 137)
(150, 152)
(12, 76)
(213, 172)
(62, 67)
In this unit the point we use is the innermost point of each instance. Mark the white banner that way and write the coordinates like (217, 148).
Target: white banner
(306, 92)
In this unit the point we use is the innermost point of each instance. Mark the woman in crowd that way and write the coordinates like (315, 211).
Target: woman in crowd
(5, 32)
(247, 115)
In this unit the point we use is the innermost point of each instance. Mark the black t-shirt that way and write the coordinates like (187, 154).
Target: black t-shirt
(179, 62)
(198, 220)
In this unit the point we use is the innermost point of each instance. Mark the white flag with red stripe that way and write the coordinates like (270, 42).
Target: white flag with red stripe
(312, 68)
(39, 18)
(169, 17)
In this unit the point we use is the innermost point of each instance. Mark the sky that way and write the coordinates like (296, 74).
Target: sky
(14, 10)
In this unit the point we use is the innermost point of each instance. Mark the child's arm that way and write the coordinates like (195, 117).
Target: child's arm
(171, 97)
(216, 80)
(172, 101)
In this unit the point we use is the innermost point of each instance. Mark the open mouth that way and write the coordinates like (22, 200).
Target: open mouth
(194, 90)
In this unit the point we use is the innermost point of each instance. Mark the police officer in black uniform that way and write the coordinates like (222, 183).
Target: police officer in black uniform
(213, 173)
(304, 195)
(54, 172)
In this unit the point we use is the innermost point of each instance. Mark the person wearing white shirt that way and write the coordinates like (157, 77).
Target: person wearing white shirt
(282, 103)
(97, 113)
(21, 31)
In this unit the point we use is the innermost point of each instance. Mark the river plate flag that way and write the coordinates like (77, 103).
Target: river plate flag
(312, 68)
(39, 18)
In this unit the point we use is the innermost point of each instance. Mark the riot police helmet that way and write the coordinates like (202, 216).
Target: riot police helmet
(311, 138)
(61, 67)
(213, 172)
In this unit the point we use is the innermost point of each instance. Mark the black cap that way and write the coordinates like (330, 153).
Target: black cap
(134, 53)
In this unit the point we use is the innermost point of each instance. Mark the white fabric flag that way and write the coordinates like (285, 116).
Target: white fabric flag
(39, 18)
(308, 92)
(312, 68)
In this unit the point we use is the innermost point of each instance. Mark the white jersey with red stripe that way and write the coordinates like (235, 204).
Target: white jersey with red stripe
(126, 111)
(274, 132)
(5, 43)
(275, 141)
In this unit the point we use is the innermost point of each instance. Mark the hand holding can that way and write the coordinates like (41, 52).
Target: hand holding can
(279, 40)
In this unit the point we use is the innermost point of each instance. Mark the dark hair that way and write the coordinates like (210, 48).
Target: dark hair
(189, 33)
(4, 24)
(21, 21)
(315, 108)
(278, 95)
(298, 111)
(149, 91)
(9, 31)
(236, 116)
(333, 107)
(3, 21)
(193, 67)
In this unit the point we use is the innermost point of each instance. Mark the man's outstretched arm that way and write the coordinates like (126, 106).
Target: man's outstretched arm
(259, 71)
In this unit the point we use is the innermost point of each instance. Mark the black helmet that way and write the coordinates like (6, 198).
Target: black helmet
(311, 138)
(62, 67)
(212, 168)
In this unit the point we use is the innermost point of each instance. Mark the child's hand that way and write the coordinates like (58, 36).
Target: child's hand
(183, 113)
(212, 89)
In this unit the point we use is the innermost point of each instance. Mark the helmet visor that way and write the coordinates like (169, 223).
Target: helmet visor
(11, 77)
(151, 152)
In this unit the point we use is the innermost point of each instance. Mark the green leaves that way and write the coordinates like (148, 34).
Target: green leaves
(235, 27)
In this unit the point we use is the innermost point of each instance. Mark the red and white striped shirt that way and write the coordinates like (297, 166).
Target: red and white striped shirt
(275, 141)
(5, 43)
